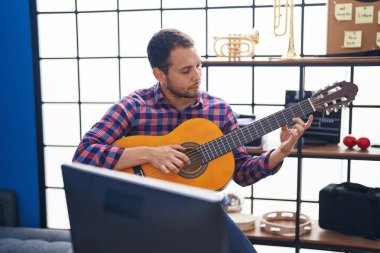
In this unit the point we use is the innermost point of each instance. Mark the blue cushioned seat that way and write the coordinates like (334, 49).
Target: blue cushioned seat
(34, 240)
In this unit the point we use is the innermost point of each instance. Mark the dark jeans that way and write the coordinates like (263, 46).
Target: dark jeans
(237, 242)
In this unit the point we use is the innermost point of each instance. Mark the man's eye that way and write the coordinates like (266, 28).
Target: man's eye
(186, 71)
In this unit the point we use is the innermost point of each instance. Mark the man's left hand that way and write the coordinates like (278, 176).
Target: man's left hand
(290, 136)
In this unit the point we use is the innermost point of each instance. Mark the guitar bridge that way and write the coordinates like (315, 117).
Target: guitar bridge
(138, 171)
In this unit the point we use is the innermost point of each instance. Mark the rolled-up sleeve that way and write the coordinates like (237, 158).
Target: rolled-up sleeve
(96, 146)
(249, 169)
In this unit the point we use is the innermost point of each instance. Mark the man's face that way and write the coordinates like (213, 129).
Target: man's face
(184, 75)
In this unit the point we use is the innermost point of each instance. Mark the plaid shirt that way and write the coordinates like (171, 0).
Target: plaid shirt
(147, 112)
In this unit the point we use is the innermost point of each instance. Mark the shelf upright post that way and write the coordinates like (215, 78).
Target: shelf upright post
(299, 166)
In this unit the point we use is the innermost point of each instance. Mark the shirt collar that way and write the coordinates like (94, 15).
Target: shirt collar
(159, 97)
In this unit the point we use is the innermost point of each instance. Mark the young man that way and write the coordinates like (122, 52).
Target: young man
(160, 109)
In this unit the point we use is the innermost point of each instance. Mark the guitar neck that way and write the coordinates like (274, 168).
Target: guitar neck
(253, 131)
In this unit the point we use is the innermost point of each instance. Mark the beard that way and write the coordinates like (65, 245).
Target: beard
(191, 92)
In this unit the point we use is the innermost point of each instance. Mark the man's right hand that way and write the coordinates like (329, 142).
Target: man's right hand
(167, 158)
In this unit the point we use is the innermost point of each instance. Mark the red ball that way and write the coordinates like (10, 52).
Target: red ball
(349, 141)
(363, 142)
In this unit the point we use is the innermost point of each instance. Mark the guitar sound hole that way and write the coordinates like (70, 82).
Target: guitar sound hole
(195, 168)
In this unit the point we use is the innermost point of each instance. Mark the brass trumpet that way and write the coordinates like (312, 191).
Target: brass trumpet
(291, 53)
(236, 46)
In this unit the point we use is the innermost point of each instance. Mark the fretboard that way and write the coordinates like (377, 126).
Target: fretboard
(253, 131)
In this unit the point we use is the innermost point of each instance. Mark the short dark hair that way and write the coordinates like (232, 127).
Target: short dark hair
(162, 43)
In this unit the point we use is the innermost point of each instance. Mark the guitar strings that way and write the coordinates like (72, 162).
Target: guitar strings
(264, 123)
(245, 129)
(196, 156)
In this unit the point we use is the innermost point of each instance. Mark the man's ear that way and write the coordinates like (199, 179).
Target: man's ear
(159, 75)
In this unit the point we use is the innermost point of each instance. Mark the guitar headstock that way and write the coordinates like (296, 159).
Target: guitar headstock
(334, 97)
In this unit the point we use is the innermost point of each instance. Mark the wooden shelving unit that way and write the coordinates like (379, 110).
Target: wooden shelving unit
(318, 238)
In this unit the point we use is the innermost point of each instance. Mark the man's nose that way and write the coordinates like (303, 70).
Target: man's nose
(197, 74)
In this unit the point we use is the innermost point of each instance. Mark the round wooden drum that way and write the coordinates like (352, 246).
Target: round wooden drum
(245, 222)
(284, 223)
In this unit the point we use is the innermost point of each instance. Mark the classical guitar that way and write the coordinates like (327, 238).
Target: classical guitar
(210, 152)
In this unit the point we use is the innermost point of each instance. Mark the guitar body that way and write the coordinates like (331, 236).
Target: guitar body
(213, 175)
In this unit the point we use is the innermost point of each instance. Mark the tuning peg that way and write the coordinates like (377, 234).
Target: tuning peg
(336, 109)
(328, 111)
(343, 99)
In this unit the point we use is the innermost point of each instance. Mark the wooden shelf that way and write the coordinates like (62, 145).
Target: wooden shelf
(317, 238)
(306, 61)
(329, 151)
